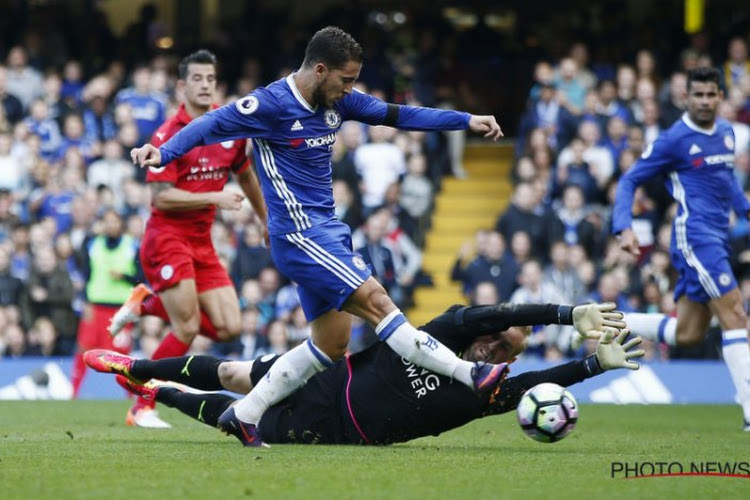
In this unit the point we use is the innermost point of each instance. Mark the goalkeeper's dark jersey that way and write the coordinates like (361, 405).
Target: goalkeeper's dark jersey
(377, 397)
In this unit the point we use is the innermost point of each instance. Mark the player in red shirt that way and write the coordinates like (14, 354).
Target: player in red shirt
(191, 288)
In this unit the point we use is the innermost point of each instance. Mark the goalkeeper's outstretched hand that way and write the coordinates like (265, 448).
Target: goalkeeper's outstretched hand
(612, 353)
(590, 320)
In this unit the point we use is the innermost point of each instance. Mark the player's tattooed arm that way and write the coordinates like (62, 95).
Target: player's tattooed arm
(158, 187)
(165, 196)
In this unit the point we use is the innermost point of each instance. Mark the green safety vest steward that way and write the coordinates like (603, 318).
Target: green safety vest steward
(102, 288)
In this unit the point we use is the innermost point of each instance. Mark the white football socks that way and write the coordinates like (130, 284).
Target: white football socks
(653, 326)
(734, 348)
(288, 373)
(422, 349)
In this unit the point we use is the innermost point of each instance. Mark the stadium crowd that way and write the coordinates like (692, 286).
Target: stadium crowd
(66, 128)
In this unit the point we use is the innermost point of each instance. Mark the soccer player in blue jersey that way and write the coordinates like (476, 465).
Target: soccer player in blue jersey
(293, 124)
(696, 158)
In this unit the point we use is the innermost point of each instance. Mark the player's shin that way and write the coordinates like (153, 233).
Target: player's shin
(734, 349)
(200, 372)
(205, 408)
(286, 375)
(653, 326)
(422, 349)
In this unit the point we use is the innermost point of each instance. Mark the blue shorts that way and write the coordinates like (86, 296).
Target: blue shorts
(705, 273)
(321, 261)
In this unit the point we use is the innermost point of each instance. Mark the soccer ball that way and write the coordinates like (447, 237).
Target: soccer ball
(547, 412)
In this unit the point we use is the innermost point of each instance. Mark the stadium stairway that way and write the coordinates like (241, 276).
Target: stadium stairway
(462, 207)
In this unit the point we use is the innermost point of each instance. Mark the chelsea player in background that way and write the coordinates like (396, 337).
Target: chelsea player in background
(696, 158)
(293, 124)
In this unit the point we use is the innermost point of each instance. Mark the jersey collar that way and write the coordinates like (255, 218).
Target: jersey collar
(184, 117)
(297, 94)
(693, 126)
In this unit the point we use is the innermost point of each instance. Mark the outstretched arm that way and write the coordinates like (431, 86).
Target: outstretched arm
(459, 326)
(251, 116)
(367, 109)
(611, 353)
(654, 161)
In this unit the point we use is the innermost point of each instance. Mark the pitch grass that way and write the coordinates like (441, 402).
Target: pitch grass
(82, 450)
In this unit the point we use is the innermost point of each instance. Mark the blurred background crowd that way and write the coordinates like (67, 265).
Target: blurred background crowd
(74, 101)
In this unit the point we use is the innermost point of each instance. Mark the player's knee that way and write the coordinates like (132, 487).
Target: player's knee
(228, 329)
(186, 330)
(226, 373)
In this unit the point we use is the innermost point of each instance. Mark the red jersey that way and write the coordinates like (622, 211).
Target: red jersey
(200, 170)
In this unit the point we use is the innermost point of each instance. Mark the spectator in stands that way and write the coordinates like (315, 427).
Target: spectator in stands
(252, 342)
(376, 253)
(599, 159)
(520, 247)
(522, 215)
(580, 54)
(610, 290)
(417, 195)
(39, 123)
(615, 139)
(278, 338)
(737, 65)
(57, 107)
(72, 84)
(13, 174)
(12, 288)
(626, 87)
(342, 161)
(496, 266)
(50, 294)
(379, 163)
(562, 275)
(577, 172)
(534, 290)
(297, 328)
(56, 202)
(673, 104)
(570, 91)
(23, 81)
(252, 256)
(544, 75)
(741, 130)
(645, 66)
(346, 208)
(468, 251)
(650, 125)
(12, 105)
(73, 137)
(13, 342)
(98, 120)
(485, 294)
(400, 217)
(20, 260)
(571, 225)
(546, 112)
(610, 104)
(111, 170)
(269, 282)
(148, 107)
(42, 339)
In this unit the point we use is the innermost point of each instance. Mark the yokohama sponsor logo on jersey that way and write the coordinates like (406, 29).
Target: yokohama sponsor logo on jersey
(323, 140)
(716, 159)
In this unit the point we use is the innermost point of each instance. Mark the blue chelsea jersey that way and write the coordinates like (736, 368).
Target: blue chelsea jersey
(293, 143)
(698, 168)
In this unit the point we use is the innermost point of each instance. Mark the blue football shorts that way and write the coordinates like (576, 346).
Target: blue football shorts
(705, 272)
(321, 261)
